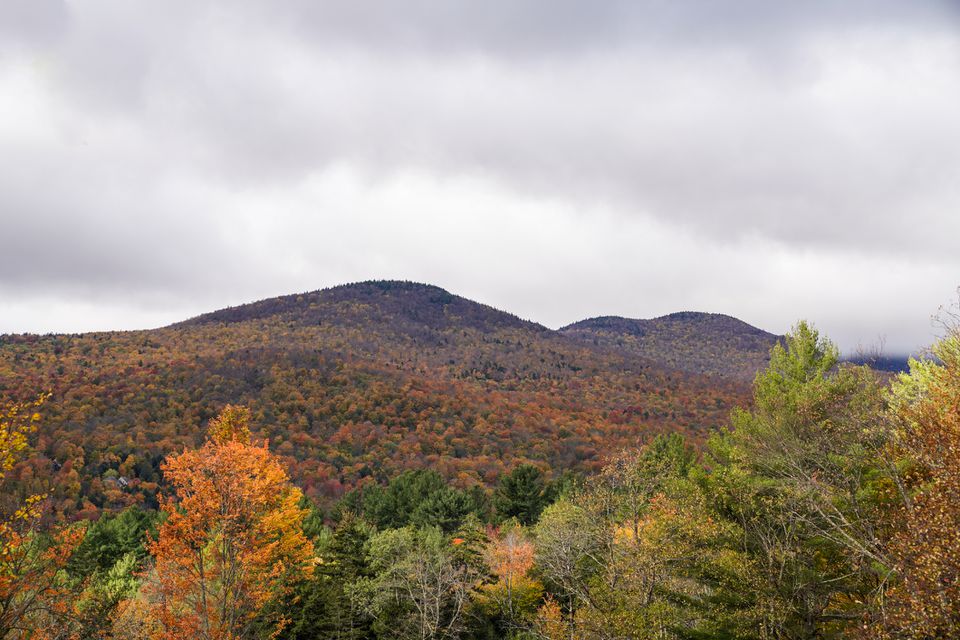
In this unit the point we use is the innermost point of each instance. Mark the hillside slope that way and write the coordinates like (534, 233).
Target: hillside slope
(348, 384)
(701, 343)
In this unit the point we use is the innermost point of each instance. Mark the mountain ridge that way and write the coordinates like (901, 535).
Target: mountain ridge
(434, 301)
(690, 341)
(681, 316)
(696, 342)
(348, 385)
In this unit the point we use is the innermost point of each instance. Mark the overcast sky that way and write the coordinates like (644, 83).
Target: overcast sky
(556, 159)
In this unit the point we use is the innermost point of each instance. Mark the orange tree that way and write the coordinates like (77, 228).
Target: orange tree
(233, 540)
(513, 596)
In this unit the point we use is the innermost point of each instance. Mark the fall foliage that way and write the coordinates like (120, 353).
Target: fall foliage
(826, 507)
(925, 543)
(233, 539)
(350, 386)
(34, 597)
(513, 595)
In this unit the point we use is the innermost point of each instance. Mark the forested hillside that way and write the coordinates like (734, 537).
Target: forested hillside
(350, 385)
(827, 509)
(703, 343)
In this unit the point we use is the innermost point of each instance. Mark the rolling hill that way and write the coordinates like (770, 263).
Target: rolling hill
(354, 383)
(702, 343)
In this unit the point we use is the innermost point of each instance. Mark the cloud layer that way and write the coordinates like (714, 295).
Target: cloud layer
(557, 159)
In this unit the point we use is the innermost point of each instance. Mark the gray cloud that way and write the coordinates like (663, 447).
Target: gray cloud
(504, 27)
(32, 21)
(560, 159)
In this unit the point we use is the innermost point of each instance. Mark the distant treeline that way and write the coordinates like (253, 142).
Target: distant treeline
(892, 364)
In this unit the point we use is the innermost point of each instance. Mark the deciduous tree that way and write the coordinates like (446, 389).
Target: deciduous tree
(513, 596)
(233, 539)
(420, 587)
(926, 541)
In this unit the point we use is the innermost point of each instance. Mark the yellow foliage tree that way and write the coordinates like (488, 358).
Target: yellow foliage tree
(550, 622)
(34, 600)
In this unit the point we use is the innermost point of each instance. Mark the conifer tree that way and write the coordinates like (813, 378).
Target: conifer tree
(522, 494)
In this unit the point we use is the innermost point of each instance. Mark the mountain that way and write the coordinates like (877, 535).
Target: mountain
(702, 343)
(355, 383)
(407, 307)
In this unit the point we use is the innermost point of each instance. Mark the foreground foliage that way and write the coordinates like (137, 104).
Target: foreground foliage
(233, 539)
(925, 545)
(828, 509)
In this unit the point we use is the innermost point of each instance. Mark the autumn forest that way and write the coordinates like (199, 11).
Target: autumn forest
(387, 460)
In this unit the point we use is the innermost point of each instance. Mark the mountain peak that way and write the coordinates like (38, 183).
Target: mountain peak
(399, 301)
(693, 341)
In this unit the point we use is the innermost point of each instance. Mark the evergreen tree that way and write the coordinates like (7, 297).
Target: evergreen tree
(111, 538)
(522, 494)
(445, 508)
(802, 472)
(322, 606)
